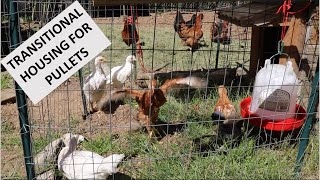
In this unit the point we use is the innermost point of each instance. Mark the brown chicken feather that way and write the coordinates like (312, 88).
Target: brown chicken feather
(190, 35)
(152, 99)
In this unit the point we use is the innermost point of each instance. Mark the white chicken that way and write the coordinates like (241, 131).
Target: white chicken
(120, 74)
(76, 164)
(95, 84)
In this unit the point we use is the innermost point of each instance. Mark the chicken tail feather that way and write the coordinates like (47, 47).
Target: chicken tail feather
(107, 100)
(193, 82)
(179, 19)
(177, 82)
(116, 96)
(110, 163)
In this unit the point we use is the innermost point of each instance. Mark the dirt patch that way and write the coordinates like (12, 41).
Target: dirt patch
(63, 109)
(123, 120)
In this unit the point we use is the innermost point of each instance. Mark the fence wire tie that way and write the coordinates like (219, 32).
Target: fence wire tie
(280, 46)
(27, 157)
(26, 104)
(24, 130)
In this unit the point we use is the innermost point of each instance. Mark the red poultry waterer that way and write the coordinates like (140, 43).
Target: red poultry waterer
(280, 125)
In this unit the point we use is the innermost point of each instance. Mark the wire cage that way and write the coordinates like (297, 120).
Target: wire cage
(193, 140)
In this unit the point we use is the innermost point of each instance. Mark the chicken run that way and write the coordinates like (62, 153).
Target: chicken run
(172, 96)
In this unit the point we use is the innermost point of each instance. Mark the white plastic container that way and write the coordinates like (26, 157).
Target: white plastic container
(275, 91)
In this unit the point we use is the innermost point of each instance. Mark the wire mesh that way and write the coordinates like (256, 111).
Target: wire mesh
(193, 144)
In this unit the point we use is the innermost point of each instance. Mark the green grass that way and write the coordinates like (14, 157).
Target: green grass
(158, 51)
(6, 81)
(310, 166)
(241, 161)
(43, 140)
(10, 142)
(100, 145)
(9, 138)
(74, 121)
(168, 159)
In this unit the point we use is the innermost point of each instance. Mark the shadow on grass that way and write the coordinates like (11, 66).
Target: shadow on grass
(265, 137)
(227, 136)
(120, 176)
(165, 128)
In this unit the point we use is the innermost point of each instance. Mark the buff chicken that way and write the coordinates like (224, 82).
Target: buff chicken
(224, 109)
(230, 129)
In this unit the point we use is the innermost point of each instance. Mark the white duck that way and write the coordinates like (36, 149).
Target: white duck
(85, 164)
(50, 152)
(120, 74)
(95, 84)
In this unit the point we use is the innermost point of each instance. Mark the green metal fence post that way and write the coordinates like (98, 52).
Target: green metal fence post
(21, 97)
(218, 44)
(80, 72)
(84, 102)
(313, 101)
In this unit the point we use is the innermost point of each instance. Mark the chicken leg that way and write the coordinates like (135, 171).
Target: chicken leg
(152, 131)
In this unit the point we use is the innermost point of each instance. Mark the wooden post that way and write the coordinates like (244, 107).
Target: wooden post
(294, 41)
(256, 50)
(314, 39)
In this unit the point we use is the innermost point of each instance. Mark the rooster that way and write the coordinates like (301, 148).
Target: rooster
(151, 100)
(128, 36)
(223, 37)
(190, 35)
(224, 109)
(120, 74)
(127, 31)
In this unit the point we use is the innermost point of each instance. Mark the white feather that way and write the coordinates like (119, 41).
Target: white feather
(85, 164)
(193, 82)
(120, 74)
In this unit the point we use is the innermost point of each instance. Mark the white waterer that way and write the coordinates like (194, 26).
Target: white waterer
(275, 91)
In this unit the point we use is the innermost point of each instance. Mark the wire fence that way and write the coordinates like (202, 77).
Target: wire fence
(194, 142)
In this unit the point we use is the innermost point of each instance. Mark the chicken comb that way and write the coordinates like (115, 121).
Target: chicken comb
(130, 19)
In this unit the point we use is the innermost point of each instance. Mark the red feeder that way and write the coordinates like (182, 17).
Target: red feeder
(282, 125)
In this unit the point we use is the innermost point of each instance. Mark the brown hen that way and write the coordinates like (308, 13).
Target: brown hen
(223, 36)
(190, 36)
(152, 99)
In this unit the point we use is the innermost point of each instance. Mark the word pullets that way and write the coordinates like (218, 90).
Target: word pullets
(67, 66)
(56, 52)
